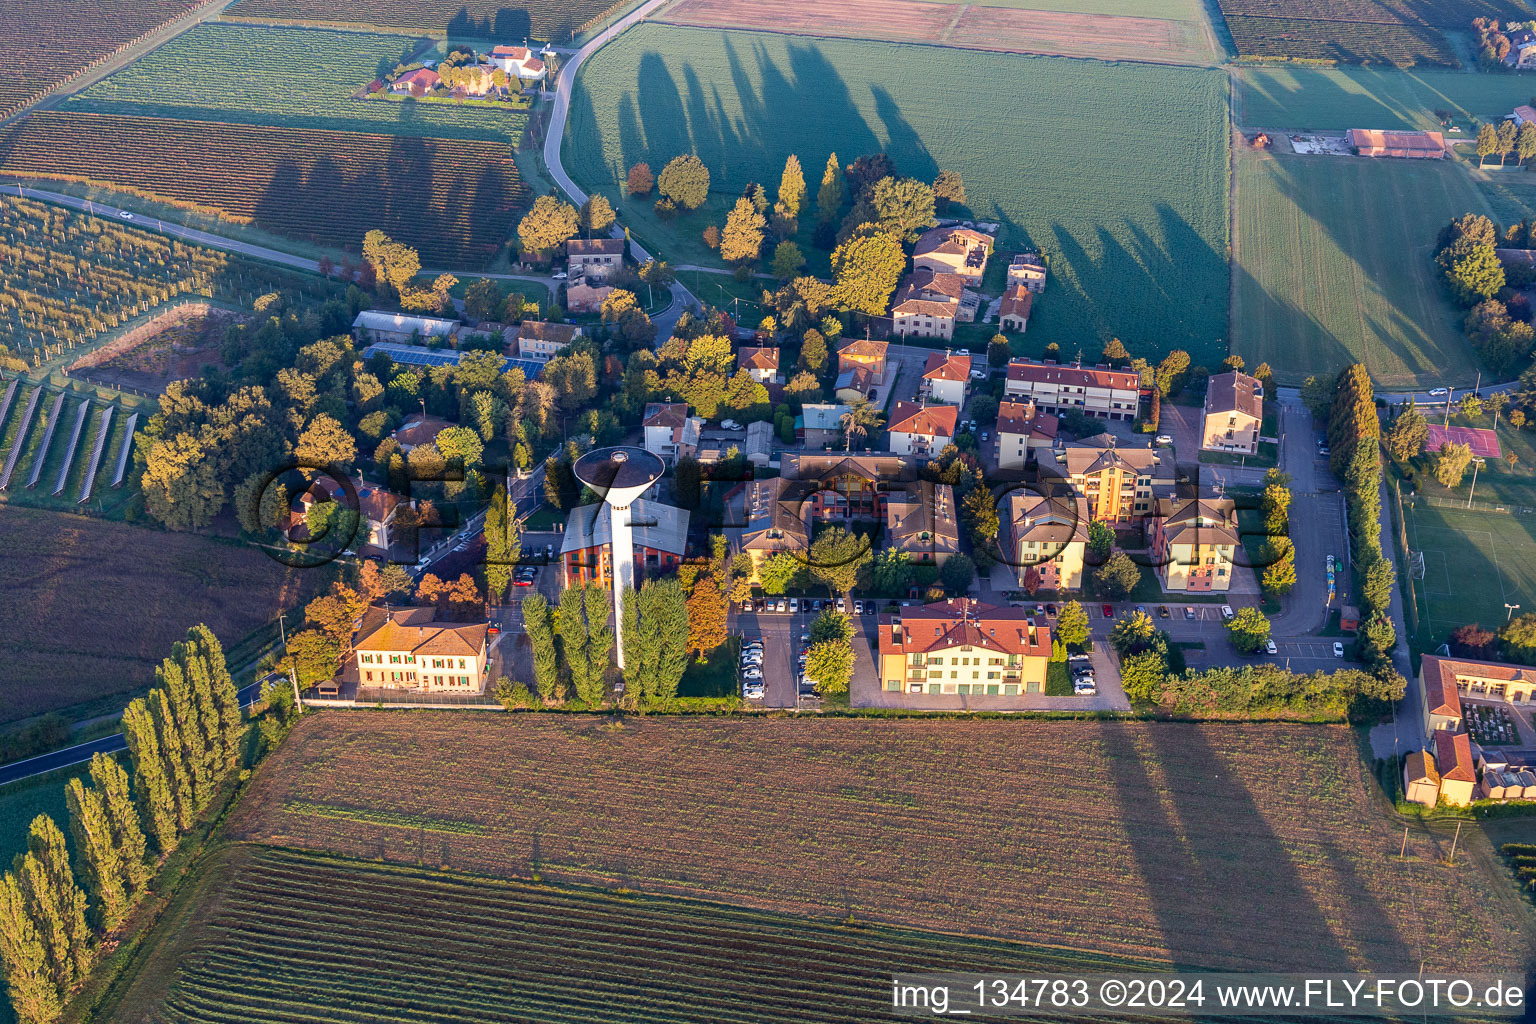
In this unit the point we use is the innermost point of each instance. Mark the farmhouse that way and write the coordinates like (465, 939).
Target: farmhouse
(761, 364)
(1014, 312)
(1028, 269)
(416, 83)
(1458, 772)
(1121, 485)
(375, 326)
(1048, 539)
(541, 341)
(964, 648)
(586, 553)
(519, 61)
(954, 250)
(1022, 427)
(821, 425)
(866, 353)
(1234, 413)
(586, 294)
(1421, 782)
(1403, 145)
(594, 258)
(920, 522)
(1097, 391)
(409, 648)
(1522, 50)
(921, 430)
(670, 433)
(946, 376)
(1193, 542)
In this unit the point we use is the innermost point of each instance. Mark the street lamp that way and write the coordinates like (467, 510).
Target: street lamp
(1509, 610)
(1476, 464)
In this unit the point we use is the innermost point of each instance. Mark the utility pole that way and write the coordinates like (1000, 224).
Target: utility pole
(1403, 854)
(1448, 396)
(293, 676)
(1453, 844)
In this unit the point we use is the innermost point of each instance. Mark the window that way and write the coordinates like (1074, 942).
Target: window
(954, 675)
(991, 675)
(935, 661)
(893, 684)
(370, 676)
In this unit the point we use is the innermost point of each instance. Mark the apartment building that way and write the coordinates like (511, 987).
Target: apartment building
(965, 648)
(1096, 391)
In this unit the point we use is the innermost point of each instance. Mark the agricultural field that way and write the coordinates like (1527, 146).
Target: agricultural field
(1337, 99)
(1008, 29)
(508, 951)
(1284, 847)
(175, 345)
(47, 44)
(1332, 265)
(1405, 33)
(1119, 172)
(1474, 562)
(248, 75)
(554, 20)
(455, 200)
(93, 605)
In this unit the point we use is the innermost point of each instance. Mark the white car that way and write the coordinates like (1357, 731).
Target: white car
(125, 215)
(1164, 439)
(1438, 392)
(1084, 687)
(1226, 611)
(842, 605)
(729, 425)
(794, 604)
(1338, 649)
(749, 660)
(1270, 648)
(752, 673)
(559, 275)
(782, 606)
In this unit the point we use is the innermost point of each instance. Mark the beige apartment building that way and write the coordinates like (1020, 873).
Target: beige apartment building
(964, 648)
(1048, 538)
(1234, 414)
(540, 340)
(1097, 391)
(1194, 541)
(408, 648)
(1023, 428)
(1121, 485)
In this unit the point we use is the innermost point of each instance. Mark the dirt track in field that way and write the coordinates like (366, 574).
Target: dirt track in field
(968, 26)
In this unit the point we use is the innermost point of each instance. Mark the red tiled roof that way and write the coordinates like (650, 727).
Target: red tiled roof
(965, 622)
(944, 366)
(666, 414)
(758, 358)
(1453, 756)
(927, 420)
(594, 247)
(533, 64)
(864, 348)
(421, 76)
(512, 52)
(1076, 376)
(1017, 301)
(1014, 418)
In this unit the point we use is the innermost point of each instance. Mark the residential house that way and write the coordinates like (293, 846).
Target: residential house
(866, 353)
(1525, 113)
(778, 519)
(594, 258)
(1522, 50)
(1421, 782)
(920, 521)
(927, 304)
(1096, 391)
(1194, 541)
(1014, 311)
(842, 486)
(416, 83)
(541, 341)
(376, 508)
(670, 433)
(1047, 537)
(948, 375)
(586, 294)
(1023, 429)
(377, 326)
(821, 425)
(964, 648)
(854, 383)
(419, 429)
(1234, 413)
(1122, 485)
(586, 550)
(954, 250)
(1402, 145)
(411, 649)
(761, 364)
(921, 430)
(1028, 269)
(1458, 772)
(519, 61)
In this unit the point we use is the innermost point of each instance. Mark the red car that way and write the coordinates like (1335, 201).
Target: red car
(1109, 611)
(522, 581)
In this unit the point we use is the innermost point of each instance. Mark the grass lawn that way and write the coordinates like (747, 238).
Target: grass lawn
(714, 677)
(1269, 455)
(1298, 99)
(1058, 679)
(1332, 266)
(1117, 171)
(1474, 562)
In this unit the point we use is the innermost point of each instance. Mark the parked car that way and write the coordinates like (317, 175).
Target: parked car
(493, 629)
(805, 638)
(817, 604)
(794, 605)
(1109, 611)
(1084, 688)
(1162, 611)
(1142, 609)
(1164, 439)
(985, 437)
(759, 604)
(729, 425)
(1338, 649)
(1189, 611)
(522, 581)
(1226, 611)
(755, 644)
(1050, 610)
(842, 605)
(752, 673)
(781, 606)
(1270, 648)
(1325, 451)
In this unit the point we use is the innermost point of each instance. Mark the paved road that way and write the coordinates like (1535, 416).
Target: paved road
(81, 753)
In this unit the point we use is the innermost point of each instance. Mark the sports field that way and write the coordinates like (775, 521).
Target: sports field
(1118, 171)
(1337, 99)
(1474, 562)
(1332, 266)
(288, 77)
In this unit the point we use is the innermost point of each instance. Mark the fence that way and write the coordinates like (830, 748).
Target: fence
(406, 698)
(1436, 501)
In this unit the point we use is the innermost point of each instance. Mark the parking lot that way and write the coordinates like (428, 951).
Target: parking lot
(782, 644)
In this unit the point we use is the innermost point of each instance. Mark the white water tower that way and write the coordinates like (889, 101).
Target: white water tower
(619, 476)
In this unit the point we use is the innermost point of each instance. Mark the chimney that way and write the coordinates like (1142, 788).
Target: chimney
(1029, 408)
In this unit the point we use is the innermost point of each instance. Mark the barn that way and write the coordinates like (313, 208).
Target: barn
(1403, 145)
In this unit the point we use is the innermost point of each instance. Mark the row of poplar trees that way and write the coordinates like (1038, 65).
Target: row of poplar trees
(183, 741)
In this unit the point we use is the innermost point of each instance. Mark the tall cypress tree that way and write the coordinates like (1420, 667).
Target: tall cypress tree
(152, 778)
(599, 642)
(123, 817)
(225, 696)
(28, 976)
(181, 705)
(637, 669)
(573, 639)
(168, 733)
(56, 903)
(541, 638)
(206, 711)
(100, 861)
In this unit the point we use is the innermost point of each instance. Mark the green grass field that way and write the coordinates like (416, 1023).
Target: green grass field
(1474, 562)
(1332, 266)
(1119, 172)
(1335, 99)
(292, 77)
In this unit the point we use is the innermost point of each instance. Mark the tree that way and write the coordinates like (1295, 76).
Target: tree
(947, 189)
(1136, 632)
(1473, 641)
(1451, 464)
(151, 771)
(539, 624)
(999, 351)
(181, 483)
(685, 181)
(1101, 541)
(813, 351)
(123, 819)
(707, 615)
(787, 260)
(1472, 271)
(904, 207)
(599, 644)
(1496, 402)
(1471, 406)
(830, 664)
(742, 241)
(1142, 675)
(1378, 638)
(1487, 143)
(1280, 575)
(836, 557)
(891, 572)
(640, 180)
(830, 196)
(957, 574)
(792, 186)
(1117, 577)
(482, 300)
(35, 995)
(1249, 630)
(55, 902)
(1317, 395)
(1377, 581)
(1170, 372)
(867, 268)
(595, 216)
(779, 572)
(861, 420)
(574, 639)
(394, 264)
(655, 642)
(1407, 434)
(1072, 625)
(325, 442)
(101, 864)
(547, 225)
(503, 544)
(1275, 504)
(978, 510)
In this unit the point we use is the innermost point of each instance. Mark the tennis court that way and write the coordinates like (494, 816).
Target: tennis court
(1483, 442)
(1474, 562)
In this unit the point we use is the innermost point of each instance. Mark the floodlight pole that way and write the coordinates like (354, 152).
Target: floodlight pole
(1477, 462)
(1509, 610)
